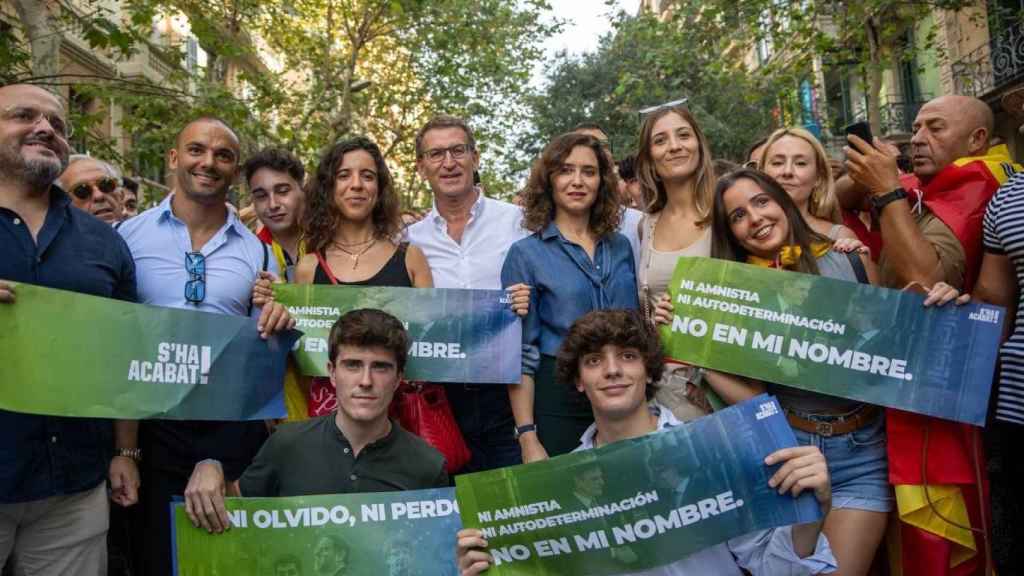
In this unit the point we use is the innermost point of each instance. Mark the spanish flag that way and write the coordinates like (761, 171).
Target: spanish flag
(937, 466)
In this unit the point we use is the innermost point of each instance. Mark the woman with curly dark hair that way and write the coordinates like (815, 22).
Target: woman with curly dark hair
(576, 262)
(353, 225)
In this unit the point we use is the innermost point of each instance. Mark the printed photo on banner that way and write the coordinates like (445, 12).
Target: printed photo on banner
(168, 363)
(688, 488)
(844, 339)
(384, 534)
(462, 336)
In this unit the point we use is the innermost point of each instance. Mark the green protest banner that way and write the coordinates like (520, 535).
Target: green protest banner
(462, 336)
(383, 534)
(69, 354)
(636, 504)
(839, 338)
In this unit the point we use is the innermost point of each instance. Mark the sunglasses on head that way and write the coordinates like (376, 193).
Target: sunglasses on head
(84, 190)
(652, 109)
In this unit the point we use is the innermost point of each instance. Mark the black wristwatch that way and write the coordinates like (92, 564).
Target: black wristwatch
(520, 430)
(879, 202)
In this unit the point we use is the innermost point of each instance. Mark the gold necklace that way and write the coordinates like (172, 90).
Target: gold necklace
(355, 255)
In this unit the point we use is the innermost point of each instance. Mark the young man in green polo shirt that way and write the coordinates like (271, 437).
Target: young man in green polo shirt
(356, 449)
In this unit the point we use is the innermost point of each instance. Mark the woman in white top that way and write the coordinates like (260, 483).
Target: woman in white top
(677, 182)
(798, 161)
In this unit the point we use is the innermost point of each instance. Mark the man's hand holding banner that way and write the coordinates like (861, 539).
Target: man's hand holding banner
(640, 503)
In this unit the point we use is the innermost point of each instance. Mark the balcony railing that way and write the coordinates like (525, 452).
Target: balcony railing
(993, 65)
(895, 116)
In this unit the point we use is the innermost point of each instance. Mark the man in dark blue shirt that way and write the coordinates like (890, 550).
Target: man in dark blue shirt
(53, 501)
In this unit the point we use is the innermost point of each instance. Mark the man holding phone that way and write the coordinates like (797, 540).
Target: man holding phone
(931, 231)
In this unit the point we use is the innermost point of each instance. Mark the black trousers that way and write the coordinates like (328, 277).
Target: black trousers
(1005, 469)
(153, 556)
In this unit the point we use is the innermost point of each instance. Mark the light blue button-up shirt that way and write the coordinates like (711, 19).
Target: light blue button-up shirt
(567, 284)
(234, 257)
(762, 553)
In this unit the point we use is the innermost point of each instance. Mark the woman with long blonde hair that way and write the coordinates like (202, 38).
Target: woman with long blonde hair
(798, 161)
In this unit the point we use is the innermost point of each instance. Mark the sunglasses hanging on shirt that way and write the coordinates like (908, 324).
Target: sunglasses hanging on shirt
(195, 287)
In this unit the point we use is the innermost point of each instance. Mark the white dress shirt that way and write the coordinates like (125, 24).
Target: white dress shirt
(475, 262)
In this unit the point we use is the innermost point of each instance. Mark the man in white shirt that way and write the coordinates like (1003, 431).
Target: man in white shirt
(465, 238)
(612, 356)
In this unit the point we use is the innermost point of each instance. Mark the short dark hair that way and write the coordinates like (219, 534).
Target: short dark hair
(627, 168)
(589, 125)
(723, 167)
(130, 184)
(369, 328)
(750, 149)
(443, 121)
(598, 328)
(278, 160)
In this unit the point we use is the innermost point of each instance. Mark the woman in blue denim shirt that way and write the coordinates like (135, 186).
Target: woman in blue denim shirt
(576, 262)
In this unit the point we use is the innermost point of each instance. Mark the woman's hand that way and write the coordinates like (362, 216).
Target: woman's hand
(519, 298)
(471, 552)
(663, 310)
(848, 245)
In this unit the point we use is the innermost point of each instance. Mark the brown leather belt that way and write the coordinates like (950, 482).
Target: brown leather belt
(842, 425)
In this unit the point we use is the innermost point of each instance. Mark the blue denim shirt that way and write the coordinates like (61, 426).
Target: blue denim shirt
(43, 456)
(566, 285)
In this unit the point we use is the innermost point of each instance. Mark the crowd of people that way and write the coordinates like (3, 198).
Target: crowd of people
(586, 252)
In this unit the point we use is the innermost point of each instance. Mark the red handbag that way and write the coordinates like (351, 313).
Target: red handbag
(423, 409)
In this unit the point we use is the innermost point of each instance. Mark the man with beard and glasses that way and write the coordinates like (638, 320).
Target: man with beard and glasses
(94, 186)
(53, 497)
(192, 252)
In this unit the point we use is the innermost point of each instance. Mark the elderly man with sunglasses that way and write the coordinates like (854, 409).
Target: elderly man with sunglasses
(53, 494)
(94, 186)
(192, 252)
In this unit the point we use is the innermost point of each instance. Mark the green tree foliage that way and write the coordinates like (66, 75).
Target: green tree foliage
(647, 61)
(865, 36)
(304, 73)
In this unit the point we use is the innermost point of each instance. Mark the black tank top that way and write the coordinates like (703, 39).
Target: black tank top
(393, 273)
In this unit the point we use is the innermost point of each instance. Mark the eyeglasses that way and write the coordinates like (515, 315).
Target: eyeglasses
(28, 116)
(652, 109)
(436, 155)
(195, 288)
(84, 190)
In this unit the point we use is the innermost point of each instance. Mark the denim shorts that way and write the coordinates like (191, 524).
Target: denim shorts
(858, 464)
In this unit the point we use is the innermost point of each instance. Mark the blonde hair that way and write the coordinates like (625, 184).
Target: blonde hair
(654, 195)
(823, 202)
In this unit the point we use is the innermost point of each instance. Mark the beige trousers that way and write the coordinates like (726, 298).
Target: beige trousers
(57, 536)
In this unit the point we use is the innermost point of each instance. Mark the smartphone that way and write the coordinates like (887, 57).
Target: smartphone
(861, 130)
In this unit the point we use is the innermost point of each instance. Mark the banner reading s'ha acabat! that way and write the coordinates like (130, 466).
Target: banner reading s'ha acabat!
(460, 336)
(69, 354)
(637, 504)
(380, 534)
(839, 338)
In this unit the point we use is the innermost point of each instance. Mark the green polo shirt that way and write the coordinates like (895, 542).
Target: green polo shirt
(314, 457)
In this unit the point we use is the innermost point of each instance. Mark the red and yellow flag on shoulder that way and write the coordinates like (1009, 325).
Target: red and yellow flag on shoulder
(937, 466)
